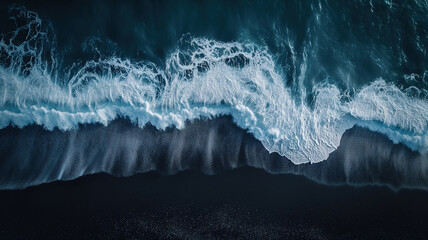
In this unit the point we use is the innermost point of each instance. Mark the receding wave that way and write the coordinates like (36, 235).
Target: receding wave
(201, 78)
(33, 155)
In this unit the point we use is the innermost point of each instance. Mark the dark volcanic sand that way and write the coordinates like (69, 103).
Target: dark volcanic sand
(244, 203)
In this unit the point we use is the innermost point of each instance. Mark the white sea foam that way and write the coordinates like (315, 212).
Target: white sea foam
(204, 78)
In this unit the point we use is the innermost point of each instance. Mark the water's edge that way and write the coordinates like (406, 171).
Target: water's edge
(32, 155)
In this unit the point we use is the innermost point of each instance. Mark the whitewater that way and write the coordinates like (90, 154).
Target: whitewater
(202, 78)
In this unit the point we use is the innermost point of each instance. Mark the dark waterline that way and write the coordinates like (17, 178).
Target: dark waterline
(33, 155)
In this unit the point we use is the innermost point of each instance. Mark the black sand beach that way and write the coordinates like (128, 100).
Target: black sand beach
(244, 203)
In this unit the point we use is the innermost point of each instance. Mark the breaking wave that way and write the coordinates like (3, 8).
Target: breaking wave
(201, 78)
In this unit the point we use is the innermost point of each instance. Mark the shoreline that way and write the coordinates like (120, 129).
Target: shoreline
(32, 155)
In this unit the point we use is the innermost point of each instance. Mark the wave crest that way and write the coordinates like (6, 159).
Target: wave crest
(202, 78)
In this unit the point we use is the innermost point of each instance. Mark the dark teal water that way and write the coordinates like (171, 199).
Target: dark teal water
(348, 43)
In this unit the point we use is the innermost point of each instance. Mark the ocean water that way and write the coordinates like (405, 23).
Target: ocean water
(335, 91)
